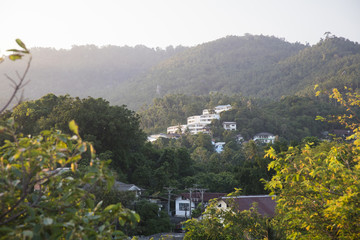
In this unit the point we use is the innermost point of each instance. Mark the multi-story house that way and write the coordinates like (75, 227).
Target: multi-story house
(198, 123)
(264, 137)
(176, 129)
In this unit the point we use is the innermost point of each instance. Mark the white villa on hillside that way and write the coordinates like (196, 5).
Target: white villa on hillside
(176, 129)
(264, 137)
(198, 123)
(229, 126)
(222, 108)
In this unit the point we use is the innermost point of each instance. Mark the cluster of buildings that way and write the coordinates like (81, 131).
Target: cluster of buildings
(265, 203)
(199, 123)
(186, 203)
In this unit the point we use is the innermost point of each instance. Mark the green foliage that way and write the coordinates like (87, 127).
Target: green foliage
(109, 128)
(112, 196)
(221, 224)
(317, 186)
(291, 118)
(42, 194)
(152, 219)
(255, 66)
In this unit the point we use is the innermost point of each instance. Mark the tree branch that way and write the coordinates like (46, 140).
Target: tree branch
(18, 85)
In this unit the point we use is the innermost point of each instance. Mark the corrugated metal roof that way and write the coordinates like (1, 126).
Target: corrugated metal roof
(265, 203)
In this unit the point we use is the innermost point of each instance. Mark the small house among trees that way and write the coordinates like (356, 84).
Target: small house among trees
(229, 126)
(182, 202)
(264, 137)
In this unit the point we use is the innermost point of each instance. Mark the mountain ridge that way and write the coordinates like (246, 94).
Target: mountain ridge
(252, 65)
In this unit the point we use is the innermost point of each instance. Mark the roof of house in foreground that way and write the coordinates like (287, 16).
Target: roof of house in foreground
(265, 203)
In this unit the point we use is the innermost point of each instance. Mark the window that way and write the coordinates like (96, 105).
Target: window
(184, 206)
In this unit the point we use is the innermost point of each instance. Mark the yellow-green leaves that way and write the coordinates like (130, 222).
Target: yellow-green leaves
(21, 44)
(18, 54)
(15, 57)
(74, 127)
(42, 197)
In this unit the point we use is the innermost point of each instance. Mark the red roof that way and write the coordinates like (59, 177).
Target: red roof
(265, 203)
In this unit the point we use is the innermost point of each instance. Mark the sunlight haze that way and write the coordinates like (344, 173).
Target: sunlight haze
(160, 23)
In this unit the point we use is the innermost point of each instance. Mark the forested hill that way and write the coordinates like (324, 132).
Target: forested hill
(255, 66)
(83, 70)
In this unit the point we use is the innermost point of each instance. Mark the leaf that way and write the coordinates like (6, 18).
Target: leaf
(17, 51)
(110, 207)
(21, 44)
(48, 221)
(73, 167)
(82, 148)
(320, 118)
(14, 57)
(74, 127)
(28, 233)
(98, 206)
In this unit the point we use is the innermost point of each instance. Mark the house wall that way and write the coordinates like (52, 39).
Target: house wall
(175, 129)
(229, 126)
(180, 212)
(264, 139)
(222, 108)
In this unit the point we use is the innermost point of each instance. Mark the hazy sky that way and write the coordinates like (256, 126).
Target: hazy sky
(159, 23)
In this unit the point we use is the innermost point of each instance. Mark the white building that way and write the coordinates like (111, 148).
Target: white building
(265, 137)
(182, 202)
(208, 111)
(222, 108)
(196, 128)
(182, 207)
(219, 146)
(229, 126)
(176, 129)
(198, 123)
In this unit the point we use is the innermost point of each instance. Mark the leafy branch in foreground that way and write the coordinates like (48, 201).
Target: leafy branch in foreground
(318, 187)
(42, 193)
(20, 83)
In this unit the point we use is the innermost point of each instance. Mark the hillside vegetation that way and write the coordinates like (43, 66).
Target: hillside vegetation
(83, 70)
(253, 66)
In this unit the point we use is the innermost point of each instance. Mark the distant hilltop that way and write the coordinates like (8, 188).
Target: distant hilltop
(255, 66)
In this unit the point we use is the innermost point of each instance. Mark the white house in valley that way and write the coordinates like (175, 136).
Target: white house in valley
(182, 202)
(264, 137)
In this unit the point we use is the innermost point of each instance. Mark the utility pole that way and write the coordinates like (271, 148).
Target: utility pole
(201, 190)
(190, 201)
(169, 189)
